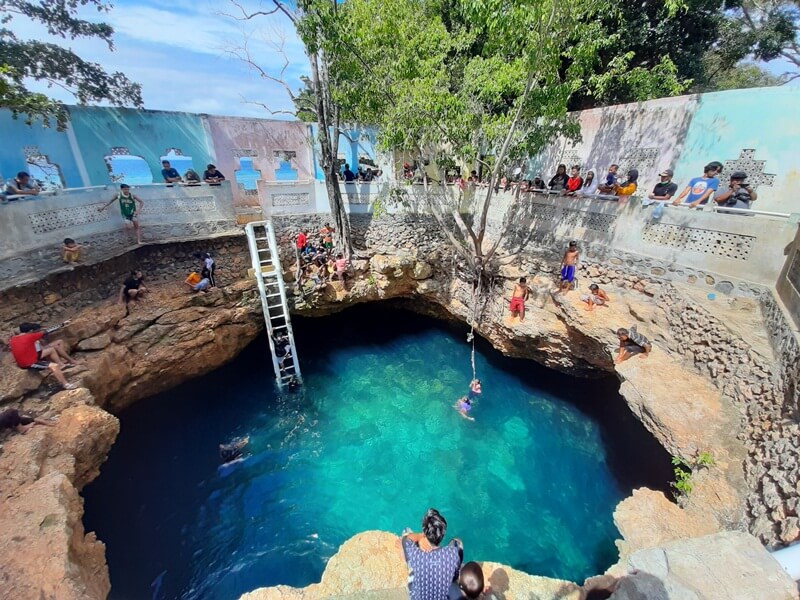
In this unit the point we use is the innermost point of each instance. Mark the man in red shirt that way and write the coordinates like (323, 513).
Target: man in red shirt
(575, 181)
(30, 353)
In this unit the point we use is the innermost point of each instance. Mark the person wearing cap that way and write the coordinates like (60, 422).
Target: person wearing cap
(129, 206)
(739, 194)
(700, 189)
(212, 176)
(664, 190)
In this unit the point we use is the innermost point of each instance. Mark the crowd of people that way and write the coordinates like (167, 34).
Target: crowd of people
(697, 193)
(316, 260)
(362, 175)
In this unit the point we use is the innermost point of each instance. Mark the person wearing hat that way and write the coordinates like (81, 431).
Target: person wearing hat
(739, 194)
(664, 190)
(700, 189)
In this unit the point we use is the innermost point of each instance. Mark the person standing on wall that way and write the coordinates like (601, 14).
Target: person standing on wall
(170, 173)
(129, 206)
(738, 195)
(700, 189)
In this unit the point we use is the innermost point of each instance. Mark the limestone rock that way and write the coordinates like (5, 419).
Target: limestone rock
(16, 382)
(97, 342)
(722, 566)
(647, 519)
(370, 565)
(422, 270)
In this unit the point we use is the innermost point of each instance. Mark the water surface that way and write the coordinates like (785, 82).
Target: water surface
(371, 444)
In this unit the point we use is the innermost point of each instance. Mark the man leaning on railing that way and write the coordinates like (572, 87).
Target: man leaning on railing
(21, 186)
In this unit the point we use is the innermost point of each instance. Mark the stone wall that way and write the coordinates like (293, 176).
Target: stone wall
(60, 295)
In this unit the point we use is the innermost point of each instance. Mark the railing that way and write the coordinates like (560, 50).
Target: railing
(114, 186)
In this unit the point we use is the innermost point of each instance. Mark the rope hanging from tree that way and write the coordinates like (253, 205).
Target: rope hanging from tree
(476, 295)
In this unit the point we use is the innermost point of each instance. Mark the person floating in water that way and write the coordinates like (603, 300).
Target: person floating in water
(518, 298)
(568, 265)
(234, 450)
(463, 406)
(475, 389)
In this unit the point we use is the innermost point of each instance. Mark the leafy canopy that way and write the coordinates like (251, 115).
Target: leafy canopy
(22, 60)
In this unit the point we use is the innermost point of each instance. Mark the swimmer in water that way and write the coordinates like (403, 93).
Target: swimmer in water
(475, 389)
(463, 406)
(234, 450)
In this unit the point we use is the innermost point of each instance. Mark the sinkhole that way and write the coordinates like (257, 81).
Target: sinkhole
(371, 442)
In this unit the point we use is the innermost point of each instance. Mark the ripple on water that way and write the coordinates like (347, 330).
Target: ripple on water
(372, 444)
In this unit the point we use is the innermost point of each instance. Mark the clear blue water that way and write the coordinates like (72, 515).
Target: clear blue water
(371, 444)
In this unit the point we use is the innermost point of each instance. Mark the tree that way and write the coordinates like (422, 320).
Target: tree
(316, 22)
(486, 81)
(771, 29)
(21, 60)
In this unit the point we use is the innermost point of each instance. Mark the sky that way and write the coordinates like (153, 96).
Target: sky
(181, 53)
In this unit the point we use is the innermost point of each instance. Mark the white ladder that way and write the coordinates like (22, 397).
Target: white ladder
(267, 268)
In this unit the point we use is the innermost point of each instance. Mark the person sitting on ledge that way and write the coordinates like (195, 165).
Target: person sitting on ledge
(470, 583)
(575, 181)
(538, 184)
(30, 353)
(212, 176)
(21, 186)
(11, 419)
(233, 450)
(72, 251)
(132, 289)
(607, 186)
(632, 342)
(589, 185)
(200, 283)
(558, 183)
(595, 297)
(170, 173)
(192, 178)
(431, 568)
(629, 186)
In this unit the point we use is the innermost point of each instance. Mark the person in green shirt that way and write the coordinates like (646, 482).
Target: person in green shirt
(129, 206)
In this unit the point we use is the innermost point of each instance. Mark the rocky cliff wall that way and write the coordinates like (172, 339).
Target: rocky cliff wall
(708, 386)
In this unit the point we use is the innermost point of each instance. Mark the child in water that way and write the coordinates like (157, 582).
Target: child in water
(463, 406)
(475, 389)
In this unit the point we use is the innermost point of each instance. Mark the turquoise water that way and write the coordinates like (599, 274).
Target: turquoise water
(371, 444)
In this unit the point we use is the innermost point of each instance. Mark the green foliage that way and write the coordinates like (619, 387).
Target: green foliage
(22, 60)
(705, 459)
(684, 471)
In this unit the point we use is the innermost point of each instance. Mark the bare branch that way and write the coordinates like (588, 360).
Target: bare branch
(246, 16)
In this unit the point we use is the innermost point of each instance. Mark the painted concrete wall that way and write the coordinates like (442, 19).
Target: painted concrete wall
(148, 134)
(686, 133)
(20, 139)
(278, 150)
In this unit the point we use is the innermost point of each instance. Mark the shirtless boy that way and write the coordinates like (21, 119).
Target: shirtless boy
(568, 265)
(521, 293)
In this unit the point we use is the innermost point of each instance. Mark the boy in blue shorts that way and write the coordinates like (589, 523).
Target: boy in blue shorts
(568, 265)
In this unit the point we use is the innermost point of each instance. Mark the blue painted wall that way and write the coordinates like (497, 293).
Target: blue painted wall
(149, 134)
(16, 135)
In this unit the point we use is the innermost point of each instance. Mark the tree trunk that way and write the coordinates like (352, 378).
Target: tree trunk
(328, 144)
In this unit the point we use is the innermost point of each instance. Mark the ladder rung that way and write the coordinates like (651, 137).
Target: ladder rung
(280, 327)
(281, 316)
(266, 262)
(272, 295)
(261, 239)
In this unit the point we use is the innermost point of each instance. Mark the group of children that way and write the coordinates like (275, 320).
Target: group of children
(316, 262)
(203, 281)
(569, 265)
